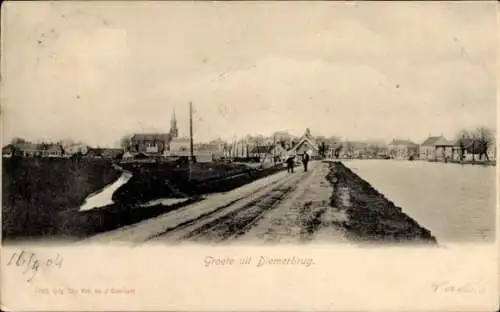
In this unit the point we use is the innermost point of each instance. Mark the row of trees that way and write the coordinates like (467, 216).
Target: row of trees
(476, 142)
(65, 142)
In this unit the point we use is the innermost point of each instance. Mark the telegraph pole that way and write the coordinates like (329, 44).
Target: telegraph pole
(191, 153)
(274, 149)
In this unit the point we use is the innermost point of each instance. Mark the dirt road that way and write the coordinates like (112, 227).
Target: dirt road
(282, 208)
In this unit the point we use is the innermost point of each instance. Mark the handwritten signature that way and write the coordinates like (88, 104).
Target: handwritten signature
(31, 263)
(448, 287)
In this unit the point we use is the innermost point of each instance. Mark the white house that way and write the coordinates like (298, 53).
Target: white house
(305, 144)
(402, 149)
(436, 148)
(209, 151)
(179, 145)
(74, 148)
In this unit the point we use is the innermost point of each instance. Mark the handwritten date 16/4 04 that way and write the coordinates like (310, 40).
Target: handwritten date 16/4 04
(30, 263)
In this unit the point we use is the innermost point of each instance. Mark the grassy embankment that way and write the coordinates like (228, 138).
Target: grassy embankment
(35, 191)
(371, 216)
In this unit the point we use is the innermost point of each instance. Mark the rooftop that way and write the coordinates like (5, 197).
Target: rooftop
(151, 136)
(437, 141)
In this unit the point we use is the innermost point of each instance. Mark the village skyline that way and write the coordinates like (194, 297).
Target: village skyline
(256, 137)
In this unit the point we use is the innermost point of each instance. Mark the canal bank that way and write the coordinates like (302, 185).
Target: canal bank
(371, 217)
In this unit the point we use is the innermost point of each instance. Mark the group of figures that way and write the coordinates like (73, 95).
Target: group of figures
(290, 162)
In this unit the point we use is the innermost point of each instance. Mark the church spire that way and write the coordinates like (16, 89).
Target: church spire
(174, 132)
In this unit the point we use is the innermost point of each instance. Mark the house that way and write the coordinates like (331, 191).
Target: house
(353, 149)
(34, 150)
(219, 143)
(52, 150)
(305, 144)
(202, 152)
(215, 149)
(208, 153)
(109, 153)
(179, 145)
(112, 153)
(151, 143)
(437, 148)
(427, 148)
(402, 149)
(94, 152)
(7, 151)
(74, 148)
(27, 149)
(269, 151)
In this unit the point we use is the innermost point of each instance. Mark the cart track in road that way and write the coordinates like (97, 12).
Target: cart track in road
(295, 209)
(302, 217)
(205, 216)
(240, 221)
(236, 218)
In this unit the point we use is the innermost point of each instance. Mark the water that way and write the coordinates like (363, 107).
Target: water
(456, 203)
(103, 198)
(165, 202)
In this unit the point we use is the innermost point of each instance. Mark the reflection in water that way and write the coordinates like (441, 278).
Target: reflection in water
(164, 202)
(103, 198)
(455, 202)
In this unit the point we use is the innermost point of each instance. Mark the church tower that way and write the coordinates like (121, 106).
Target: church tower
(174, 132)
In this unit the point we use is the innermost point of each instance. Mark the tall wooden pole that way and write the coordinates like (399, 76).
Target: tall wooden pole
(191, 152)
(274, 149)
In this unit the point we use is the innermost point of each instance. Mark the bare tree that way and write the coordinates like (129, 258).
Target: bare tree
(15, 141)
(483, 138)
(338, 148)
(464, 140)
(125, 142)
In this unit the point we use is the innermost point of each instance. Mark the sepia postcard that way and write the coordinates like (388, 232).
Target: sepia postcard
(249, 156)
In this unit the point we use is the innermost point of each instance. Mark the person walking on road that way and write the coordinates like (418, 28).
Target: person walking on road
(289, 164)
(305, 160)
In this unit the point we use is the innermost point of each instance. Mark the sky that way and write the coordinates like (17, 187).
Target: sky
(98, 71)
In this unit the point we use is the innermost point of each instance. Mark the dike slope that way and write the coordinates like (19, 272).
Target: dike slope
(371, 216)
